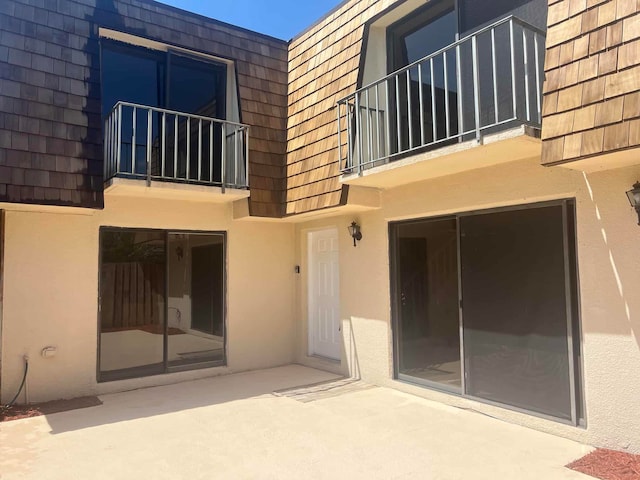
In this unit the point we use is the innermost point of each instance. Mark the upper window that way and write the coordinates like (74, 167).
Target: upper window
(432, 28)
(440, 23)
(169, 122)
(161, 79)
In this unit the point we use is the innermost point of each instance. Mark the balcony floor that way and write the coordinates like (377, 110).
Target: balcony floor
(128, 187)
(506, 146)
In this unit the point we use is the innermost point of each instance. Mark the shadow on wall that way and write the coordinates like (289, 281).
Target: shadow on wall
(351, 351)
(621, 316)
(105, 14)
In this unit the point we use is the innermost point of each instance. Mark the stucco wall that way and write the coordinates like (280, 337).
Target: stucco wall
(51, 292)
(608, 274)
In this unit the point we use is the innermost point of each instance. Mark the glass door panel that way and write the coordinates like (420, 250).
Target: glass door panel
(427, 32)
(135, 75)
(514, 309)
(427, 302)
(132, 307)
(195, 298)
(198, 87)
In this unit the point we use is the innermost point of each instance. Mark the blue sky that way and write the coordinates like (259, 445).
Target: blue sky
(279, 18)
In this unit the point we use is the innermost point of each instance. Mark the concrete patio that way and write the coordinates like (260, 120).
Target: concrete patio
(235, 427)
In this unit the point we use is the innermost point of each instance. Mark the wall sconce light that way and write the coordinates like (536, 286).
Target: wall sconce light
(634, 198)
(354, 231)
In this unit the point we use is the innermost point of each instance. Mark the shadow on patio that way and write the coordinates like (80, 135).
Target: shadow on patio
(179, 397)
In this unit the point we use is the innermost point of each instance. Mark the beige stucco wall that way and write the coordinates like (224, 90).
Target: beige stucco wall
(51, 291)
(608, 273)
(51, 285)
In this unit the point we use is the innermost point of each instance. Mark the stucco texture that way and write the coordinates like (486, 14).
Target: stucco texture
(51, 292)
(608, 266)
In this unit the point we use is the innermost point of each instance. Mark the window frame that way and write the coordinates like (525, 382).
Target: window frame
(163, 57)
(397, 31)
(145, 371)
(576, 353)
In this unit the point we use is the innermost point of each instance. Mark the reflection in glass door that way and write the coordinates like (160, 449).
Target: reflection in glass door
(132, 307)
(515, 309)
(162, 301)
(195, 298)
(427, 282)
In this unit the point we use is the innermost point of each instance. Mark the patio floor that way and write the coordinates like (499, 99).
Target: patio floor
(235, 427)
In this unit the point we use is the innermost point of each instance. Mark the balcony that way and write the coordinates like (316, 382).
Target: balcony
(474, 103)
(163, 153)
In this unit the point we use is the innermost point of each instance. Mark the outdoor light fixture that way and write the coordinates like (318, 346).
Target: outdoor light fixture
(356, 234)
(634, 198)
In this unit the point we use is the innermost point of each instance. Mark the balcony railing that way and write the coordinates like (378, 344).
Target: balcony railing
(482, 83)
(150, 143)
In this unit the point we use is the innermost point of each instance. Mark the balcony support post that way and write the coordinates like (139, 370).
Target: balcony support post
(525, 60)
(359, 135)
(421, 103)
(339, 138)
(211, 151)
(133, 140)
(434, 113)
(513, 69)
(349, 159)
(494, 70)
(460, 93)
(149, 139)
(398, 129)
(538, 87)
(246, 156)
(163, 140)
(235, 156)
(387, 116)
(379, 149)
(476, 86)
(175, 146)
(119, 134)
(199, 149)
(223, 156)
(409, 112)
(369, 130)
(188, 139)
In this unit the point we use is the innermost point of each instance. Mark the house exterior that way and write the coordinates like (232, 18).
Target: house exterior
(176, 194)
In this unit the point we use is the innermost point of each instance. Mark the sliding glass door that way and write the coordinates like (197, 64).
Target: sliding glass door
(484, 306)
(516, 330)
(428, 317)
(161, 301)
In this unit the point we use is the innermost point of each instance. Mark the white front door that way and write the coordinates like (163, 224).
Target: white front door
(325, 337)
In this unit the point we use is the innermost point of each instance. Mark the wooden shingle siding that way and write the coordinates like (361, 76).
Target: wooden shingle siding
(592, 87)
(50, 110)
(323, 67)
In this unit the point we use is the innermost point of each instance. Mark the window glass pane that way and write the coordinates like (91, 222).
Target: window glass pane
(196, 298)
(514, 310)
(412, 39)
(196, 87)
(477, 13)
(437, 33)
(135, 75)
(129, 75)
(132, 285)
(427, 301)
